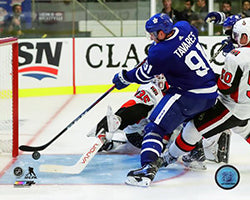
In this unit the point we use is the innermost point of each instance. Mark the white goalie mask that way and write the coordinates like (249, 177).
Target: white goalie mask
(160, 81)
(241, 27)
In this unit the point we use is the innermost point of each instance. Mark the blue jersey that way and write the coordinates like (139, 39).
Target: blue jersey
(182, 61)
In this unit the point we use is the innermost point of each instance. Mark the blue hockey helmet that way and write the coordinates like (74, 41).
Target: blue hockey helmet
(160, 21)
(231, 20)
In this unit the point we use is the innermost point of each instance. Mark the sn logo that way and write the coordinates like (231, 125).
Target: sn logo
(39, 60)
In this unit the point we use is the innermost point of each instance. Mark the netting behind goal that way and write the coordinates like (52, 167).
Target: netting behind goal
(9, 96)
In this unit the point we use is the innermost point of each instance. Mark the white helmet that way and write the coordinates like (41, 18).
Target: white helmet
(241, 27)
(160, 81)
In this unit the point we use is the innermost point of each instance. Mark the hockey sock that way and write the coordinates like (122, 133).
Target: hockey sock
(151, 148)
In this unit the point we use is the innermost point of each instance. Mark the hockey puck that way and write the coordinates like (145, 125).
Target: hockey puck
(36, 155)
(18, 171)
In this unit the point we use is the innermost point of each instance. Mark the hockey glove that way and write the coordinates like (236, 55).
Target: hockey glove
(228, 24)
(215, 17)
(231, 20)
(229, 46)
(120, 80)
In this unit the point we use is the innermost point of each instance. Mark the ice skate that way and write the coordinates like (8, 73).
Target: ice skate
(216, 148)
(145, 175)
(168, 159)
(195, 159)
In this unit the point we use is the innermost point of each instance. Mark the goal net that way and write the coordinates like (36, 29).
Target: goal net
(9, 96)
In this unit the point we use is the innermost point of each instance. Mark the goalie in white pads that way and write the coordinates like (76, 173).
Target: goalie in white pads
(127, 136)
(133, 118)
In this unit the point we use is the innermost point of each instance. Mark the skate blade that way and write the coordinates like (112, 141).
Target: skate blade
(145, 182)
(195, 165)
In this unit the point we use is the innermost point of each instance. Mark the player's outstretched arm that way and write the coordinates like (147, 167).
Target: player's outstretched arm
(137, 75)
(215, 17)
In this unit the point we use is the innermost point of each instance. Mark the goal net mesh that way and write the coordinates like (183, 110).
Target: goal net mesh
(8, 102)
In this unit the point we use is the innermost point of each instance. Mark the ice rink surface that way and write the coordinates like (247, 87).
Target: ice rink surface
(41, 118)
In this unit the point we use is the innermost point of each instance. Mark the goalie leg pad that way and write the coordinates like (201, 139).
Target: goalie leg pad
(101, 125)
(113, 121)
(110, 123)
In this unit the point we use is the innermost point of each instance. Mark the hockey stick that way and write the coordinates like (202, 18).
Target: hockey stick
(219, 50)
(42, 147)
(80, 165)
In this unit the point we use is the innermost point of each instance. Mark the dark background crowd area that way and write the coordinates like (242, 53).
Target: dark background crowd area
(61, 18)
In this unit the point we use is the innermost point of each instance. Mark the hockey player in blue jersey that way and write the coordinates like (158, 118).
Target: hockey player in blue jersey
(177, 54)
(215, 148)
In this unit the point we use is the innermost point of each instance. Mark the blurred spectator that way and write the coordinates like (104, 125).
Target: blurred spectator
(188, 14)
(199, 22)
(202, 8)
(15, 24)
(168, 9)
(226, 8)
(245, 8)
(3, 14)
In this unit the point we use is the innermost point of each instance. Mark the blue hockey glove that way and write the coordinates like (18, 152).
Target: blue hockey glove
(120, 80)
(215, 17)
(229, 46)
(231, 20)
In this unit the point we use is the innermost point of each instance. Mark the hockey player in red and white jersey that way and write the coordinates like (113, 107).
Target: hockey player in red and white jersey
(216, 148)
(232, 110)
(128, 135)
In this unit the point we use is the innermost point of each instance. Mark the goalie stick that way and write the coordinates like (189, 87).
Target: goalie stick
(113, 123)
(42, 147)
(80, 165)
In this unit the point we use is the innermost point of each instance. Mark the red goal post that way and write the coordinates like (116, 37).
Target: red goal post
(9, 95)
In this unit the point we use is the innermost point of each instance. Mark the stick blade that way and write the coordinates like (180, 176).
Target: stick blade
(61, 169)
(31, 148)
(80, 165)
